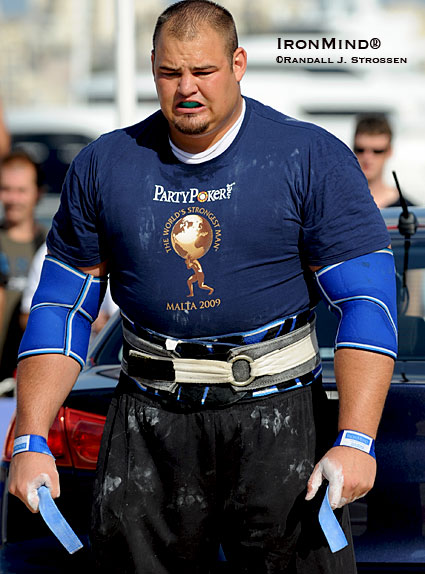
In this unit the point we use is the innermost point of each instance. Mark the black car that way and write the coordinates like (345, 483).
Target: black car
(388, 524)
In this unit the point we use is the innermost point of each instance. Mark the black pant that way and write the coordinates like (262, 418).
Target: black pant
(173, 486)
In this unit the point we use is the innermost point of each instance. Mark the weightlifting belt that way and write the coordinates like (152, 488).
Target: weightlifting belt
(246, 367)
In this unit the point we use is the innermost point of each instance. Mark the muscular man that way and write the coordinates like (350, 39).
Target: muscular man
(216, 434)
(197, 277)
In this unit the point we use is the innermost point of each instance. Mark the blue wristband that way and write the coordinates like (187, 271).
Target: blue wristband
(31, 443)
(356, 439)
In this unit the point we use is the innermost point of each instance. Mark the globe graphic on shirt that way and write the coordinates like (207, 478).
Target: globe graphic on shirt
(191, 237)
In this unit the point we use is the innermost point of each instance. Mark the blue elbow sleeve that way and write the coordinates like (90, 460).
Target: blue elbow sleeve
(63, 308)
(362, 293)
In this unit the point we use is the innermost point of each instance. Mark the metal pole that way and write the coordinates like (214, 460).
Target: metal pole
(125, 62)
(81, 54)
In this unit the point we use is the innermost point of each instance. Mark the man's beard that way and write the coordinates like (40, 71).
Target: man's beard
(191, 128)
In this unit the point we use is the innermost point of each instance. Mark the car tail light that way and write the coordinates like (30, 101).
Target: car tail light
(56, 440)
(8, 443)
(74, 438)
(84, 432)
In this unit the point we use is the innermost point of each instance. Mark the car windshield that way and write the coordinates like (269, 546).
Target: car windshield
(410, 303)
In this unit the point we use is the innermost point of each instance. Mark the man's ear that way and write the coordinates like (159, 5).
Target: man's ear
(153, 61)
(239, 63)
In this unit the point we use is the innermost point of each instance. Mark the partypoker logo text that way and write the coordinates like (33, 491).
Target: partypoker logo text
(193, 194)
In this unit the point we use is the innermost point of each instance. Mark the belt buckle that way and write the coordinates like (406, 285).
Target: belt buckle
(250, 378)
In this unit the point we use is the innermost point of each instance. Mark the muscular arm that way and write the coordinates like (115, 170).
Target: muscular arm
(43, 383)
(362, 379)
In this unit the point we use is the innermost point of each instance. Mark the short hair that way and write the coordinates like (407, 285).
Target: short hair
(20, 157)
(183, 20)
(373, 125)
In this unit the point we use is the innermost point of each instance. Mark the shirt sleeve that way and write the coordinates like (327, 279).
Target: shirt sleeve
(73, 237)
(340, 218)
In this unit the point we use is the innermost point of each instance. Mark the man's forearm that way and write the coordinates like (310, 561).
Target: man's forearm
(44, 382)
(363, 379)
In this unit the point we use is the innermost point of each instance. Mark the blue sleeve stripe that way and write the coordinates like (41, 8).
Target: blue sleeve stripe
(323, 270)
(328, 299)
(73, 270)
(50, 351)
(331, 304)
(361, 345)
(371, 300)
(52, 304)
(329, 267)
(335, 305)
(366, 283)
(64, 306)
(86, 315)
(74, 311)
(382, 350)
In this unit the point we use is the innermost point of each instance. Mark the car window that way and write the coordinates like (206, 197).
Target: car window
(53, 151)
(106, 349)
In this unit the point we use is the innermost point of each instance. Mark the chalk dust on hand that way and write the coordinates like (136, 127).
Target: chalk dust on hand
(333, 473)
(32, 488)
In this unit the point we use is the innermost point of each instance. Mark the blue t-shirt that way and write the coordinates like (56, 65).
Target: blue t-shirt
(223, 246)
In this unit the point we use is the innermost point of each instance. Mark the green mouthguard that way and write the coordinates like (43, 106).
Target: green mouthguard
(189, 104)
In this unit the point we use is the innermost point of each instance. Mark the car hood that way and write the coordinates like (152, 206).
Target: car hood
(404, 372)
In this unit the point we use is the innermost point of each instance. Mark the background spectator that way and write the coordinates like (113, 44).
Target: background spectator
(20, 237)
(373, 148)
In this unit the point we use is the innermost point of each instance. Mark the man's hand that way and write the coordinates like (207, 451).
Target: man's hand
(44, 382)
(362, 380)
(30, 470)
(350, 472)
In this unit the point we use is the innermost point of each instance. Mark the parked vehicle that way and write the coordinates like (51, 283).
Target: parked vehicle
(388, 524)
(54, 136)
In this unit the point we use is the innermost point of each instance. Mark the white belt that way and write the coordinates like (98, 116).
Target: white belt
(216, 372)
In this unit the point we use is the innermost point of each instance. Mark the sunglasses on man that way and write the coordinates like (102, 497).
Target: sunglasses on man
(360, 150)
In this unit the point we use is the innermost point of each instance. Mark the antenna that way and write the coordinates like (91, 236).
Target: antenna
(407, 223)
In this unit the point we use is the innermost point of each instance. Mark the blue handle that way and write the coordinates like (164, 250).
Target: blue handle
(330, 526)
(56, 522)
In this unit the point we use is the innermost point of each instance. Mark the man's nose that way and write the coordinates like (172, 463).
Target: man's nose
(187, 84)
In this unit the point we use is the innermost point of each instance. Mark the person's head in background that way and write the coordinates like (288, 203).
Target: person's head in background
(373, 147)
(20, 190)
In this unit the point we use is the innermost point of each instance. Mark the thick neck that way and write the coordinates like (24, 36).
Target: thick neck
(199, 143)
(215, 150)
